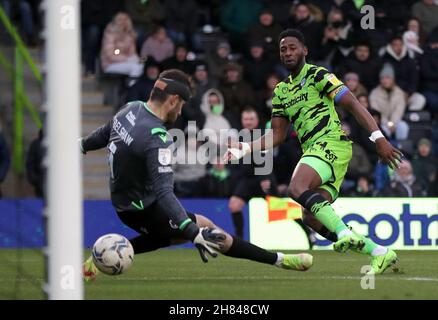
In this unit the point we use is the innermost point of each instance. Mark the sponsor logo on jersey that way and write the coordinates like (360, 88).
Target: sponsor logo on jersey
(300, 98)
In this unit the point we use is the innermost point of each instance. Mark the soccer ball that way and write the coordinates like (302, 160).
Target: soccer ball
(113, 254)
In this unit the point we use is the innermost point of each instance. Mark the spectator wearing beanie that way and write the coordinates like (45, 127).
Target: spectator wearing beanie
(389, 100)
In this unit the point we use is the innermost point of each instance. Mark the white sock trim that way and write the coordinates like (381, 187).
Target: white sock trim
(378, 251)
(345, 232)
(280, 257)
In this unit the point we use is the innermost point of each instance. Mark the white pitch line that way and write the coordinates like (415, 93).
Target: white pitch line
(426, 279)
(397, 278)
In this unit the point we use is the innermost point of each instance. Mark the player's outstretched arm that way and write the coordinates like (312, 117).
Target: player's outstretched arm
(273, 138)
(98, 139)
(387, 153)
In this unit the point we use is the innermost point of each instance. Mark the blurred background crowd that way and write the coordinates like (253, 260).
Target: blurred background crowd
(230, 48)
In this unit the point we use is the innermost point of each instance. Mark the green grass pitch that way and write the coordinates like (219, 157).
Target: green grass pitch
(180, 274)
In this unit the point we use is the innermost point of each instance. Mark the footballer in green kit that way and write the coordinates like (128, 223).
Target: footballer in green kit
(306, 99)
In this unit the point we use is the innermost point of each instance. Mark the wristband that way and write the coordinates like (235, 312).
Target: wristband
(376, 135)
(240, 153)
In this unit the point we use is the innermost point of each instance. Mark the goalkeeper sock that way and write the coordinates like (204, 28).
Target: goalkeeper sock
(245, 250)
(323, 211)
(238, 223)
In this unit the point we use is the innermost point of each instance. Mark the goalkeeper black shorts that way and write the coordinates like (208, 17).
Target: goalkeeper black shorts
(152, 221)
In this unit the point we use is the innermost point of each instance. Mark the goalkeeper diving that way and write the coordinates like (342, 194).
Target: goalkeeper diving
(141, 181)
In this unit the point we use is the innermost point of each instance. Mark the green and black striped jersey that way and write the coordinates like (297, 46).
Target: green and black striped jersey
(307, 101)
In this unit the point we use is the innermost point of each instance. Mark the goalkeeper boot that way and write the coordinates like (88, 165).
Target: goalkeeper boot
(89, 270)
(299, 262)
(352, 241)
(382, 262)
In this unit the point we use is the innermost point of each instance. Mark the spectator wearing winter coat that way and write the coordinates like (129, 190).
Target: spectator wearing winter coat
(425, 165)
(257, 67)
(95, 16)
(403, 183)
(362, 62)
(144, 15)
(389, 100)
(118, 54)
(142, 88)
(158, 45)
(237, 93)
(266, 30)
(302, 19)
(218, 59)
(337, 41)
(179, 60)
(213, 106)
(406, 72)
(187, 175)
(427, 12)
(411, 40)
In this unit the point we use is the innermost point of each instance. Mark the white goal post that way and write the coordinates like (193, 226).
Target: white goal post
(64, 176)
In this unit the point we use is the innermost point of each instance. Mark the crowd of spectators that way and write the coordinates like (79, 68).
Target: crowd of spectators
(230, 49)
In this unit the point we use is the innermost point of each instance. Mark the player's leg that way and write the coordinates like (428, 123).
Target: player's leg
(308, 176)
(310, 220)
(236, 204)
(237, 248)
(331, 174)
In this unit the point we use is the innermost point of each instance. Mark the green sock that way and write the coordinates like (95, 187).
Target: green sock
(327, 216)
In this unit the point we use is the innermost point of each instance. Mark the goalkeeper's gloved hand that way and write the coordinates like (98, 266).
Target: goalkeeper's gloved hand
(236, 151)
(208, 241)
(205, 239)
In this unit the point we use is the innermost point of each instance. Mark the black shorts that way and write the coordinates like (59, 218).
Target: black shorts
(152, 221)
(249, 187)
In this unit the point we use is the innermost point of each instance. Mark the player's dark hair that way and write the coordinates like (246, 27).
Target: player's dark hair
(180, 78)
(292, 33)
